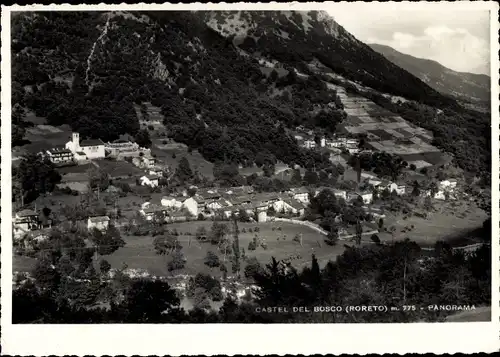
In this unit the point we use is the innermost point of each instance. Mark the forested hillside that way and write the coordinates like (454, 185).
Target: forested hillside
(204, 70)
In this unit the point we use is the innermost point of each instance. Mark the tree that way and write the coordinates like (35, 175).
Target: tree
(375, 239)
(183, 171)
(243, 215)
(416, 189)
(212, 260)
(218, 233)
(177, 261)
(166, 244)
(296, 178)
(107, 242)
(311, 177)
(150, 301)
(142, 138)
(236, 250)
(252, 268)
(359, 232)
(386, 194)
(332, 237)
(33, 177)
(104, 267)
(201, 233)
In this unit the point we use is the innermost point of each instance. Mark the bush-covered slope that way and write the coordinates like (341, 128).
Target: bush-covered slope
(87, 69)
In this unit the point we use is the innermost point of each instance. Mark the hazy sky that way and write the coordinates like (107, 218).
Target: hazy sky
(458, 39)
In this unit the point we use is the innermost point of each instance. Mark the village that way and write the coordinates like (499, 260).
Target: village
(120, 158)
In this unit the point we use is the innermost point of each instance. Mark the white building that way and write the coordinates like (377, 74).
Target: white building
(171, 202)
(121, 147)
(309, 144)
(448, 184)
(340, 194)
(100, 222)
(301, 194)
(149, 180)
(24, 221)
(191, 205)
(59, 156)
(90, 149)
(367, 197)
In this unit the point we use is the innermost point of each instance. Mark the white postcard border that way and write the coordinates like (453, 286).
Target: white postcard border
(209, 339)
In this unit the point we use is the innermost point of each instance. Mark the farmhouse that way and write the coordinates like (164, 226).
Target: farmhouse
(153, 211)
(194, 205)
(300, 194)
(401, 189)
(448, 184)
(59, 155)
(366, 196)
(340, 194)
(156, 171)
(24, 221)
(289, 205)
(149, 180)
(93, 148)
(170, 202)
(121, 147)
(309, 144)
(257, 207)
(99, 222)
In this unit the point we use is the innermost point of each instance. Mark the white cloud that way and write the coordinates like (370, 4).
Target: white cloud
(455, 48)
(456, 38)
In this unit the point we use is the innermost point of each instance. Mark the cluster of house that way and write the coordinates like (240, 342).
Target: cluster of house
(92, 149)
(228, 202)
(225, 203)
(339, 143)
(36, 224)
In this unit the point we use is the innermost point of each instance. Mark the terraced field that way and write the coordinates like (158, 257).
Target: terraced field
(387, 131)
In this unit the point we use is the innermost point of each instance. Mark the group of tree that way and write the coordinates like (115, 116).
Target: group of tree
(380, 163)
(33, 176)
(360, 276)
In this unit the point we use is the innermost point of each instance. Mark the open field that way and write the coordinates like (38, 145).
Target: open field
(196, 161)
(43, 137)
(139, 252)
(452, 224)
(119, 168)
(385, 130)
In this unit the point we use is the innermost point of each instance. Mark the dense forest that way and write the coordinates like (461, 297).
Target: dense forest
(87, 69)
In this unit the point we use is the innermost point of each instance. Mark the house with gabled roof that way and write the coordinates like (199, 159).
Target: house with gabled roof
(59, 155)
(149, 180)
(98, 222)
(171, 202)
(24, 221)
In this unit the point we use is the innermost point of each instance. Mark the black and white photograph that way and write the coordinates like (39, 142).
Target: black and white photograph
(325, 165)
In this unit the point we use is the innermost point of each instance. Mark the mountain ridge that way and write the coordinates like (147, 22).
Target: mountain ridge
(213, 88)
(460, 85)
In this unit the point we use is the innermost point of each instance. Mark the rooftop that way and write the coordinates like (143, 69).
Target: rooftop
(294, 203)
(59, 151)
(92, 142)
(99, 219)
(26, 213)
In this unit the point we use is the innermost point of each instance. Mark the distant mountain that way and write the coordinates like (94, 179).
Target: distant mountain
(460, 85)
